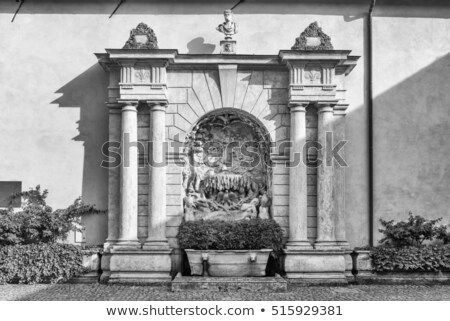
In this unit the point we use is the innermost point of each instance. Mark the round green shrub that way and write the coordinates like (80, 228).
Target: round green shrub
(39, 263)
(251, 234)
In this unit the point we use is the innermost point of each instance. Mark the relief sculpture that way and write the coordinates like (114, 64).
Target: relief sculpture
(227, 173)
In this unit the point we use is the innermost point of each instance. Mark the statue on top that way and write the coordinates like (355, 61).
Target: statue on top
(229, 27)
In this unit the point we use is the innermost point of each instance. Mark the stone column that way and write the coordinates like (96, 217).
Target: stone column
(298, 226)
(113, 179)
(326, 238)
(339, 177)
(128, 180)
(156, 239)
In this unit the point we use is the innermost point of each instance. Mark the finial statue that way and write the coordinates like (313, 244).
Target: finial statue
(229, 27)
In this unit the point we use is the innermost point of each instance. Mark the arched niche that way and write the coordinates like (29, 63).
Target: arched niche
(227, 173)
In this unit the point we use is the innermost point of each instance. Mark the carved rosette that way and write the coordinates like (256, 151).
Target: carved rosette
(313, 38)
(142, 31)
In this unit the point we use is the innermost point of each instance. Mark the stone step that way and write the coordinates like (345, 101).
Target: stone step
(249, 284)
(91, 277)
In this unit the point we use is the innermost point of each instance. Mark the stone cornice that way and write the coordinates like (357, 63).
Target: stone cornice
(314, 54)
(337, 58)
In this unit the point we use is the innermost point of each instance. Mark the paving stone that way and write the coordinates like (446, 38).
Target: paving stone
(226, 284)
(102, 292)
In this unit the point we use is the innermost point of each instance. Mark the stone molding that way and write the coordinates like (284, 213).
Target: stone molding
(142, 30)
(228, 79)
(311, 32)
(143, 73)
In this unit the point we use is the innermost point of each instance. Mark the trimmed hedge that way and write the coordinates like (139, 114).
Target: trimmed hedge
(251, 234)
(39, 263)
(411, 259)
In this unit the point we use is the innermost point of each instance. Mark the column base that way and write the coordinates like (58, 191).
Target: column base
(140, 266)
(343, 244)
(156, 245)
(126, 245)
(326, 245)
(109, 244)
(298, 245)
(313, 266)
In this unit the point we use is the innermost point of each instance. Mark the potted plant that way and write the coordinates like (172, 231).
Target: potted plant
(236, 248)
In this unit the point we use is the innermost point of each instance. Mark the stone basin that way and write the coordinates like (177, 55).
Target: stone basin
(229, 263)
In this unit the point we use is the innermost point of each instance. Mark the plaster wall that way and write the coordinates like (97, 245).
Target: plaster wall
(54, 120)
(411, 116)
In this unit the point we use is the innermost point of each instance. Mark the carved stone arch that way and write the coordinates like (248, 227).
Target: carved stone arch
(231, 110)
(227, 166)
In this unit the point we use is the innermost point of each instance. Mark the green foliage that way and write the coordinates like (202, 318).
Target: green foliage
(36, 222)
(411, 259)
(39, 263)
(443, 235)
(412, 232)
(239, 235)
(9, 228)
(92, 249)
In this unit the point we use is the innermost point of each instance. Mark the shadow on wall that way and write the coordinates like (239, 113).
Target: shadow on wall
(411, 149)
(196, 7)
(350, 9)
(88, 92)
(198, 46)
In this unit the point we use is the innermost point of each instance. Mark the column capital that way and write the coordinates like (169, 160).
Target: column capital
(132, 108)
(125, 103)
(157, 105)
(114, 107)
(325, 106)
(298, 106)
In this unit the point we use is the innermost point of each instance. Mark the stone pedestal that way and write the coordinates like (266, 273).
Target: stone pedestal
(315, 266)
(363, 264)
(228, 47)
(141, 266)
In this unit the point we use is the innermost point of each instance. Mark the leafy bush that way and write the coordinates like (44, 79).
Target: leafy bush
(411, 259)
(239, 235)
(36, 222)
(443, 235)
(412, 232)
(9, 228)
(39, 263)
(92, 249)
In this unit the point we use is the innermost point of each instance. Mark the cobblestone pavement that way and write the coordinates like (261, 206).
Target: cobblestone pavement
(93, 292)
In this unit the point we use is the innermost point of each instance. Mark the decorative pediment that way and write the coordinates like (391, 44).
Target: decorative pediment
(313, 38)
(142, 37)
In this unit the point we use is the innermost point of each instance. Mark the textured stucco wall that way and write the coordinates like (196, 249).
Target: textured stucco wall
(411, 115)
(54, 120)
